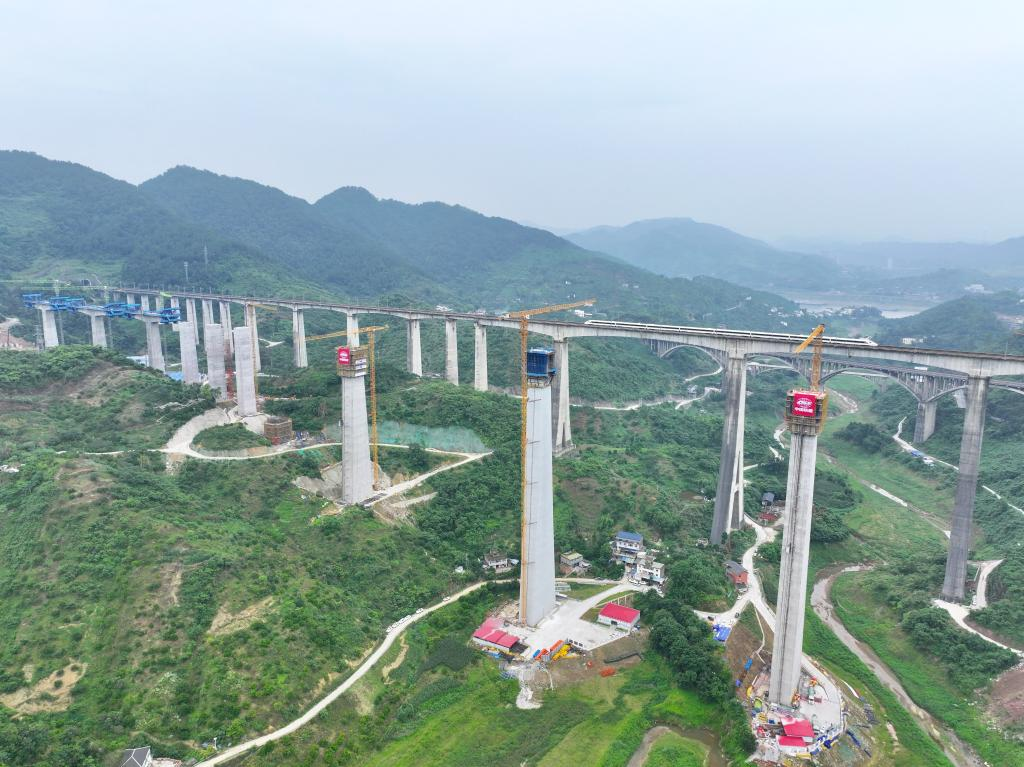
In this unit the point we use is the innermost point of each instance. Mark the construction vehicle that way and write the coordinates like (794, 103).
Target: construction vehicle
(809, 407)
(372, 355)
(524, 332)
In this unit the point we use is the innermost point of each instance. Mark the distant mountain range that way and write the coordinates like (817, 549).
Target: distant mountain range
(62, 220)
(682, 247)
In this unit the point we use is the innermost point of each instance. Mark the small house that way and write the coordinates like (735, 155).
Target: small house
(136, 757)
(498, 563)
(767, 500)
(491, 636)
(573, 563)
(737, 574)
(619, 616)
(648, 570)
(626, 547)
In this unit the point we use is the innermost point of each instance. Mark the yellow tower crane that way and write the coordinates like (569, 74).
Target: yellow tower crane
(524, 331)
(816, 338)
(371, 332)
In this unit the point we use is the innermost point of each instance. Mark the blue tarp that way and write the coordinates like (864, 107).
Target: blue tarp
(721, 632)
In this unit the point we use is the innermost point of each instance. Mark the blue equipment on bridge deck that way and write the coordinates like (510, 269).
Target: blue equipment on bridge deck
(168, 316)
(32, 299)
(65, 303)
(540, 366)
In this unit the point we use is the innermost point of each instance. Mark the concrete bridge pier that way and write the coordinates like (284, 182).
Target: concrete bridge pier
(154, 348)
(356, 465)
(225, 323)
(245, 371)
(413, 350)
(144, 302)
(98, 328)
(562, 427)
(352, 328)
(48, 318)
(537, 584)
(451, 351)
(207, 313)
(190, 311)
(925, 424)
(736, 498)
(299, 357)
(966, 488)
(480, 357)
(175, 303)
(254, 336)
(787, 654)
(189, 357)
(734, 385)
(213, 343)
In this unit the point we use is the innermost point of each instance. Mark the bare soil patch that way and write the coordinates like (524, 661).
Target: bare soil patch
(1007, 699)
(52, 693)
(398, 660)
(170, 584)
(226, 622)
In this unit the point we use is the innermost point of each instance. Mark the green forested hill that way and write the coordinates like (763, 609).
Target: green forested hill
(975, 323)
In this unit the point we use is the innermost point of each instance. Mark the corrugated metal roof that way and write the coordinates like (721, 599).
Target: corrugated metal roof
(628, 536)
(619, 613)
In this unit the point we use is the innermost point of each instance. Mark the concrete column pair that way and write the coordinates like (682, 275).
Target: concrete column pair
(299, 357)
(787, 654)
(537, 565)
(413, 350)
(561, 436)
(213, 343)
(924, 427)
(245, 371)
(254, 335)
(967, 486)
(729, 495)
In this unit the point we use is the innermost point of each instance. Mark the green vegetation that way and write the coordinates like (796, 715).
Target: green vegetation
(232, 437)
(672, 750)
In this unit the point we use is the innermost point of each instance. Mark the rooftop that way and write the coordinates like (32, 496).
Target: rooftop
(619, 613)
(625, 535)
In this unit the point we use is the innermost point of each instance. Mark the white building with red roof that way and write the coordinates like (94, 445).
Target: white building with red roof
(492, 636)
(619, 616)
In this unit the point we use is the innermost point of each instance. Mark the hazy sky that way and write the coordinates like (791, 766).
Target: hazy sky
(847, 119)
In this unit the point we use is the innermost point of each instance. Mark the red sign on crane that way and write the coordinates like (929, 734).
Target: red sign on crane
(805, 404)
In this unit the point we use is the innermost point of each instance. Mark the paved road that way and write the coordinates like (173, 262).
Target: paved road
(333, 695)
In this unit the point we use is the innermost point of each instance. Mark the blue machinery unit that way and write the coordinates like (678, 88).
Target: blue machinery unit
(540, 365)
(166, 316)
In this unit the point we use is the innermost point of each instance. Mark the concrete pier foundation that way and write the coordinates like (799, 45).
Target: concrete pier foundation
(925, 424)
(254, 337)
(356, 466)
(245, 371)
(98, 328)
(225, 323)
(413, 350)
(154, 348)
(48, 318)
(733, 387)
(537, 567)
(480, 358)
(787, 655)
(966, 488)
(299, 357)
(561, 438)
(213, 343)
(352, 328)
(189, 358)
(451, 351)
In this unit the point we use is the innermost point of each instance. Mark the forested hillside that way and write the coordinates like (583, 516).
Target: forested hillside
(975, 323)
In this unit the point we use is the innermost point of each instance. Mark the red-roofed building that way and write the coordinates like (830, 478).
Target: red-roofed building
(491, 635)
(798, 728)
(791, 742)
(619, 615)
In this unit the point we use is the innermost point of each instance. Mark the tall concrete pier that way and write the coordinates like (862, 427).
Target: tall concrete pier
(225, 323)
(787, 654)
(189, 358)
(924, 427)
(213, 344)
(966, 488)
(207, 312)
(561, 438)
(254, 336)
(451, 351)
(356, 466)
(352, 328)
(190, 311)
(154, 348)
(97, 327)
(736, 501)
(413, 350)
(733, 387)
(144, 302)
(48, 318)
(480, 357)
(245, 371)
(299, 357)
(537, 565)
